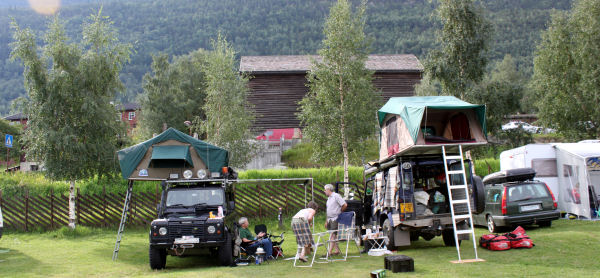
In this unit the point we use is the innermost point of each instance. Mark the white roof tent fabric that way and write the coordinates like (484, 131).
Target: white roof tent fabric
(419, 125)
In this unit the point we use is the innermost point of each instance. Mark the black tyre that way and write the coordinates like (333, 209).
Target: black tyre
(388, 231)
(448, 237)
(545, 224)
(491, 225)
(225, 252)
(158, 258)
(414, 236)
(477, 195)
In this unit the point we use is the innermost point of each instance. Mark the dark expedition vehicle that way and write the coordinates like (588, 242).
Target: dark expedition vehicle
(421, 203)
(513, 197)
(421, 144)
(197, 196)
(189, 222)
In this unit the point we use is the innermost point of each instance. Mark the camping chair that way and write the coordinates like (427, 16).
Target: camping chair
(277, 250)
(346, 232)
(307, 239)
(242, 252)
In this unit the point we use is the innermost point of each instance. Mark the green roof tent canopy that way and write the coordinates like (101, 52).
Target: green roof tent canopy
(427, 121)
(171, 156)
(170, 149)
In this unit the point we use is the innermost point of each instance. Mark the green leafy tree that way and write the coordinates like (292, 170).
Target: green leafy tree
(338, 111)
(228, 113)
(174, 93)
(501, 91)
(72, 128)
(566, 70)
(460, 61)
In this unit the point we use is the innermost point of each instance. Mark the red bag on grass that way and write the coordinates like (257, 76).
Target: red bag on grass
(519, 239)
(495, 242)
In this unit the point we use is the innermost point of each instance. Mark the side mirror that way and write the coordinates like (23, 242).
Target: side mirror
(231, 206)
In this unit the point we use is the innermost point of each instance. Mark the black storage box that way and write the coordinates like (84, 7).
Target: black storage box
(399, 263)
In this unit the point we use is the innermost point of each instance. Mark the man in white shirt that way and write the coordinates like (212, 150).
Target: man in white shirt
(335, 206)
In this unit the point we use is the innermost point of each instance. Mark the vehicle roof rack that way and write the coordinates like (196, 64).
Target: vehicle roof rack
(518, 174)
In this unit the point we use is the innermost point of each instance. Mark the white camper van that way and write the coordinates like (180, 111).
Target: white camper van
(571, 170)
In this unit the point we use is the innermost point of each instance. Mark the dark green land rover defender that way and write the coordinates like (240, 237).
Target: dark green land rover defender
(191, 221)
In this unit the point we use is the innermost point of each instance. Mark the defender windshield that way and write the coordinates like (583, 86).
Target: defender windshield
(191, 197)
(527, 191)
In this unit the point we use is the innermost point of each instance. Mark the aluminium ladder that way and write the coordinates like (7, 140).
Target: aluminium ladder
(123, 220)
(458, 200)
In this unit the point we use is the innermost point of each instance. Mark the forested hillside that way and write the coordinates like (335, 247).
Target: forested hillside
(265, 27)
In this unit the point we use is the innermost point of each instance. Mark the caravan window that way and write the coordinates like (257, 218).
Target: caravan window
(544, 167)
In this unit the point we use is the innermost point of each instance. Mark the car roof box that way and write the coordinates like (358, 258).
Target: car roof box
(518, 174)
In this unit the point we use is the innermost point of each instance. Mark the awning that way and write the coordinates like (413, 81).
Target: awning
(171, 157)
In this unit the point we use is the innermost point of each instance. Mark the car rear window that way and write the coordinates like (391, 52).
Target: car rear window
(527, 191)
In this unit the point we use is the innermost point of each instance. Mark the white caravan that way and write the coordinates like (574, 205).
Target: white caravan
(577, 186)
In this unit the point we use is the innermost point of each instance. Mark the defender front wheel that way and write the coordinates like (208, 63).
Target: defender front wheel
(225, 252)
(158, 258)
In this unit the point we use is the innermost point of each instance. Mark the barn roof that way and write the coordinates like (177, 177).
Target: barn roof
(303, 63)
(16, 117)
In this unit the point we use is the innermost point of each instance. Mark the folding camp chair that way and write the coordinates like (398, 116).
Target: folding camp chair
(346, 231)
(307, 238)
(242, 252)
(277, 249)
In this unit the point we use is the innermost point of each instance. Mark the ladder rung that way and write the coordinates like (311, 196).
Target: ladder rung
(462, 216)
(453, 157)
(462, 186)
(462, 232)
(462, 201)
(455, 172)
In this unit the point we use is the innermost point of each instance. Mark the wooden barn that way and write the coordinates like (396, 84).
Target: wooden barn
(279, 82)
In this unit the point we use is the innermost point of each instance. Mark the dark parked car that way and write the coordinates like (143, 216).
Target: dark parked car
(513, 197)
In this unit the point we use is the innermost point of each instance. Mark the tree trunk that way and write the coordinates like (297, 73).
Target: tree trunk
(72, 204)
(344, 139)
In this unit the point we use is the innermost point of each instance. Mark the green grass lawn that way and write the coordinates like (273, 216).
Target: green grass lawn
(568, 249)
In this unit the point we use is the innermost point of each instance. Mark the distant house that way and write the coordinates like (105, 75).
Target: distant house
(128, 113)
(17, 118)
(279, 82)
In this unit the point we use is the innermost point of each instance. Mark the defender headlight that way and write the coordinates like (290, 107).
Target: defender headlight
(162, 231)
(211, 229)
(201, 174)
(187, 174)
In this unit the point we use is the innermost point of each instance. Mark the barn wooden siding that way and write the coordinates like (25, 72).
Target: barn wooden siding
(275, 96)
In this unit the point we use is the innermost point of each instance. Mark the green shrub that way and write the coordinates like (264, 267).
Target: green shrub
(486, 166)
(299, 156)
(319, 175)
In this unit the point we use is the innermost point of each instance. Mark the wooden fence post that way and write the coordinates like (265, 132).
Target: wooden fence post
(105, 223)
(259, 202)
(26, 208)
(51, 208)
(286, 189)
(77, 213)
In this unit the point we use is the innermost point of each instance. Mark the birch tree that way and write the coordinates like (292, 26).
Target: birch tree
(460, 61)
(72, 127)
(228, 113)
(338, 111)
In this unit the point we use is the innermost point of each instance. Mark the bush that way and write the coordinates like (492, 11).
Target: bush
(319, 175)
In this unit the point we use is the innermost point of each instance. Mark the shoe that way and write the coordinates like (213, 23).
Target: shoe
(303, 259)
(335, 254)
